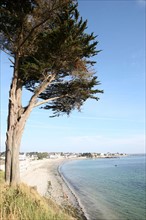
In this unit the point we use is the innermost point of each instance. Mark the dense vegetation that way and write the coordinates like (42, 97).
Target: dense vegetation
(89, 155)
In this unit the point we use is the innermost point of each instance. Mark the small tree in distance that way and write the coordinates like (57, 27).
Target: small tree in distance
(50, 55)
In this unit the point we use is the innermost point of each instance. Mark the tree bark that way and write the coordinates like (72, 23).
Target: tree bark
(16, 122)
(11, 123)
(17, 117)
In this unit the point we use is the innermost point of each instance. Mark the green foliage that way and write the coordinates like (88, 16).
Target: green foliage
(42, 155)
(74, 93)
(12, 15)
(88, 155)
(50, 40)
(23, 202)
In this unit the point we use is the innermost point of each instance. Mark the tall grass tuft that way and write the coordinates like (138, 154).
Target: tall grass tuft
(24, 203)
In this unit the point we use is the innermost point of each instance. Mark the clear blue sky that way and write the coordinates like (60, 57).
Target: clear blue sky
(116, 123)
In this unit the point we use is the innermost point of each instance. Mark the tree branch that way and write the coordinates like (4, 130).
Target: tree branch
(39, 90)
(5, 51)
(47, 100)
(38, 25)
(11, 61)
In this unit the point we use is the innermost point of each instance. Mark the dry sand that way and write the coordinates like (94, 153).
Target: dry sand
(44, 175)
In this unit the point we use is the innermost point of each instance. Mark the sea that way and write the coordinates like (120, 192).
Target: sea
(109, 188)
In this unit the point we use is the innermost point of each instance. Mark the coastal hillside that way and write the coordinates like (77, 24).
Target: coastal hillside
(23, 202)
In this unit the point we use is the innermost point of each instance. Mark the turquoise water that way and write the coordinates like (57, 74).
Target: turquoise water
(109, 192)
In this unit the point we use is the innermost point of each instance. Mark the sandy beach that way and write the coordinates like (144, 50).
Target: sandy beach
(45, 177)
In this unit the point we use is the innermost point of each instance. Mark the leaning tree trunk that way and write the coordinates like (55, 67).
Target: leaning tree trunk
(17, 116)
(11, 124)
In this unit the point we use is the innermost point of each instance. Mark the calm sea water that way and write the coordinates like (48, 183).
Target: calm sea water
(109, 192)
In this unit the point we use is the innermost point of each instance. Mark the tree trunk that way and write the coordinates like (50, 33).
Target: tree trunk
(11, 124)
(17, 117)
(16, 122)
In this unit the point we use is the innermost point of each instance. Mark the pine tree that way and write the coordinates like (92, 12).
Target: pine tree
(51, 54)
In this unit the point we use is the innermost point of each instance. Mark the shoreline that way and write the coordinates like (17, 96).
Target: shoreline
(45, 176)
(78, 204)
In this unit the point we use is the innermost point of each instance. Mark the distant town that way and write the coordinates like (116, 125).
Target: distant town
(26, 159)
(54, 155)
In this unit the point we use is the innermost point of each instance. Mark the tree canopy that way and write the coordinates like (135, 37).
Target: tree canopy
(54, 51)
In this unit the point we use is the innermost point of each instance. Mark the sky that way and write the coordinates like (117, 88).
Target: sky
(116, 123)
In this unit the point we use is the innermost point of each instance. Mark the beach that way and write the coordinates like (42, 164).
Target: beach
(44, 175)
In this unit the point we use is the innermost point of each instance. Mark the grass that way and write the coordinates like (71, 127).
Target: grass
(24, 203)
(1, 177)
